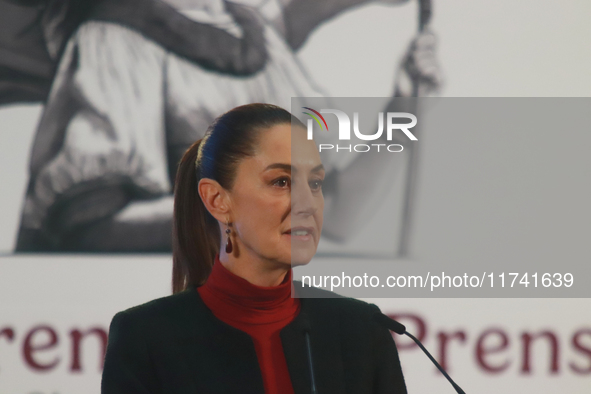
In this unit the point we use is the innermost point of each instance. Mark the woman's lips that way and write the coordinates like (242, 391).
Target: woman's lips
(300, 233)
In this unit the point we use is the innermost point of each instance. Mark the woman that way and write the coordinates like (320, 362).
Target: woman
(244, 214)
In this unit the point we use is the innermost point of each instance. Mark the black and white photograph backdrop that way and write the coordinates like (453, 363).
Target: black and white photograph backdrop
(99, 99)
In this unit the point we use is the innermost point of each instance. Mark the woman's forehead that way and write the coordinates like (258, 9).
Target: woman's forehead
(275, 141)
(281, 144)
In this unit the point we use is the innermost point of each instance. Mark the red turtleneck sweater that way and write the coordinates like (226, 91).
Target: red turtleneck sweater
(259, 311)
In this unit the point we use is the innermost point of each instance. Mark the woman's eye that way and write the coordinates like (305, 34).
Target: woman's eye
(316, 184)
(281, 182)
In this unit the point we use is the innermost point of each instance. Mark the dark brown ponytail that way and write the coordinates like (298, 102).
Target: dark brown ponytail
(195, 238)
(196, 233)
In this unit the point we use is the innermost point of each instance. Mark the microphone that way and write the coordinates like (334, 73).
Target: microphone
(399, 328)
(390, 324)
(306, 328)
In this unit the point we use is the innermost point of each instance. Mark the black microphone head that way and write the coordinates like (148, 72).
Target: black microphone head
(389, 323)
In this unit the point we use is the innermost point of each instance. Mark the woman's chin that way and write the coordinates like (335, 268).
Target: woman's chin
(301, 257)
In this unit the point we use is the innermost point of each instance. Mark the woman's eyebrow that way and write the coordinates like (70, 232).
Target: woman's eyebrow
(282, 166)
(318, 168)
(289, 167)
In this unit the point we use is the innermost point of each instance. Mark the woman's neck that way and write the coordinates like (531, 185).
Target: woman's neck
(254, 270)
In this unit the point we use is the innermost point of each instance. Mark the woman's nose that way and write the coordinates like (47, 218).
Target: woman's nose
(302, 200)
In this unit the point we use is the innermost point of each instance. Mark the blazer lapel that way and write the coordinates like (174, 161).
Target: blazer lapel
(224, 358)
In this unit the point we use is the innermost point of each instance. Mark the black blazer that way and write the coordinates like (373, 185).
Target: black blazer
(175, 345)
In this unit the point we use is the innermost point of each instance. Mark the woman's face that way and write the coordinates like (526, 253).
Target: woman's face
(276, 201)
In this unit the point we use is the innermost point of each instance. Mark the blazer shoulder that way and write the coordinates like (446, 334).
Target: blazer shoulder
(161, 309)
(328, 301)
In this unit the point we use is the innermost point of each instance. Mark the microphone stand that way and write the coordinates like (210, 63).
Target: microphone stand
(306, 328)
(399, 329)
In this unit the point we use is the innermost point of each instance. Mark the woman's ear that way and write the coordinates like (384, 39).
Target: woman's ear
(215, 198)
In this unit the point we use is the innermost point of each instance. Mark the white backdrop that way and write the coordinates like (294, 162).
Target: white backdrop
(501, 48)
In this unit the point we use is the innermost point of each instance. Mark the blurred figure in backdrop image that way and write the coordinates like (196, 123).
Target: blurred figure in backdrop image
(129, 85)
(244, 215)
